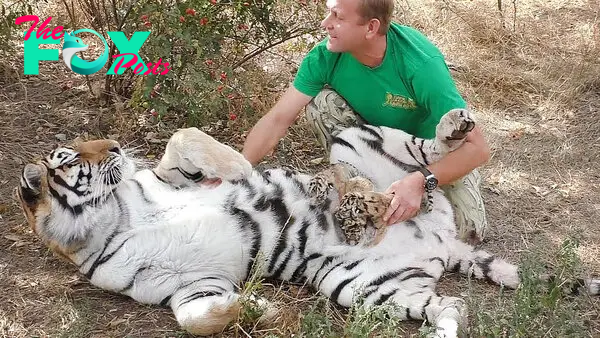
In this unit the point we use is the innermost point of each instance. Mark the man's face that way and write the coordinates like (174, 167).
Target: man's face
(346, 28)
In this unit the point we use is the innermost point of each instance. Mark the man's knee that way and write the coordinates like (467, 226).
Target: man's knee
(328, 114)
(469, 209)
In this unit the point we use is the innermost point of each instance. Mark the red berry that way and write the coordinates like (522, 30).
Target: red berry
(220, 88)
(144, 18)
(223, 76)
(209, 62)
(190, 11)
(147, 24)
(232, 116)
(181, 19)
(214, 2)
(203, 21)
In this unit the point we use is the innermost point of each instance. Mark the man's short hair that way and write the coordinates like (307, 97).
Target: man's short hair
(381, 10)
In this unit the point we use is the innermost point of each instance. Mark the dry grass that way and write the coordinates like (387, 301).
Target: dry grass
(532, 78)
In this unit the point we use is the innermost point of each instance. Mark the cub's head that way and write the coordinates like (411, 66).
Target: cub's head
(67, 182)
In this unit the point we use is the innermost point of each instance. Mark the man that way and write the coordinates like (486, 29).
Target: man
(391, 75)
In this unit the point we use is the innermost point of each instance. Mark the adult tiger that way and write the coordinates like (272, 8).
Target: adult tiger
(161, 238)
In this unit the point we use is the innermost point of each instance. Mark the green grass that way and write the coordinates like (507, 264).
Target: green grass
(537, 308)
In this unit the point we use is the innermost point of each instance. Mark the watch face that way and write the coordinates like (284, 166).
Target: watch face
(431, 183)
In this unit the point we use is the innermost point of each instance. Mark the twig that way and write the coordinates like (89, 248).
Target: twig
(270, 45)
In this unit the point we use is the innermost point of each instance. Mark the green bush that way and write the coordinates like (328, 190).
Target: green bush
(204, 41)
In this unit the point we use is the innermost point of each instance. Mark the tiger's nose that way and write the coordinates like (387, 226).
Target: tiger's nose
(98, 149)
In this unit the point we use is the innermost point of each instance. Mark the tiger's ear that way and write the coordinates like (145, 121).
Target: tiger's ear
(31, 179)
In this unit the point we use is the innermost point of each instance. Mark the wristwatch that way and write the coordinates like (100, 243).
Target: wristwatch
(431, 182)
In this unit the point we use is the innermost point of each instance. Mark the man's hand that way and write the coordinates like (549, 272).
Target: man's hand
(408, 193)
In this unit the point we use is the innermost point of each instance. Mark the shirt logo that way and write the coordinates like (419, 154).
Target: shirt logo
(398, 101)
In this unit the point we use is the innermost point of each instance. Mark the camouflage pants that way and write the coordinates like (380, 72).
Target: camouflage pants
(328, 114)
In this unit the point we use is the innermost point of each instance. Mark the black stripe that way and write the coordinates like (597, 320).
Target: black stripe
(327, 274)
(326, 261)
(321, 218)
(408, 316)
(485, 267)
(283, 220)
(245, 220)
(283, 265)
(165, 301)
(417, 274)
(302, 237)
(246, 184)
(418, 232)
(158, 177)
(59, 181)
(377, 146)
(423, 313)
(262, 203)
(353, 265)
(423, 153)
(438, 259)
(76, 210)
(196, 177)
(130, 285)
(438, 237)
(342, 142)
(108, 241)
(336, 293)
(302, 267)
(411, 153)
(142, 192)
(101, 260)
(388, 276)
(385, 297)
(197, 295)
(371, 131)
(88, 258)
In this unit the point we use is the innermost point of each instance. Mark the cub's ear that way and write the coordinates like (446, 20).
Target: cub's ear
(31, 182)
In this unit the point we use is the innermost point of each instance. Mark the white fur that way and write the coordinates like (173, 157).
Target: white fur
(190, 247)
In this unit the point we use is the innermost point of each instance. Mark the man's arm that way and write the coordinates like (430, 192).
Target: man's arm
(273, 126)
(409, 190)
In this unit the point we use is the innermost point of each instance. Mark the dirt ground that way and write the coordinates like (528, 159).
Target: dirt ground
(536, 92)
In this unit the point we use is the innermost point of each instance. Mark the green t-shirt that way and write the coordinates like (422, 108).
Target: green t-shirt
(410, 90)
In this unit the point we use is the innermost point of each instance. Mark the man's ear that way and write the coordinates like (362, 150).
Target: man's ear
(373, 26)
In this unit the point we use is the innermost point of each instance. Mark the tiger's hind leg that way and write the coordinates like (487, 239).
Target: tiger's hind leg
(467, 260)
(452, 130)
(206, 306)
(193, 157)
(448, 315)
(483, 265)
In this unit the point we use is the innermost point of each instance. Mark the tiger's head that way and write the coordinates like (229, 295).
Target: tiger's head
(66, 182)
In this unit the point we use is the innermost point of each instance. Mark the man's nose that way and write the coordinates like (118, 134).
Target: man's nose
(325, 23)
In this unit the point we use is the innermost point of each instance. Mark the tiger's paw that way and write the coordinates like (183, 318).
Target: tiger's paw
(454, 127)
(361, 217)
(193, 157)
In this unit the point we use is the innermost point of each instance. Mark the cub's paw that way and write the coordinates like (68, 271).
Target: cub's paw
(319, 188)
(454, 126)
